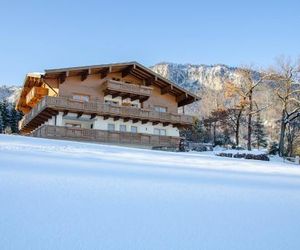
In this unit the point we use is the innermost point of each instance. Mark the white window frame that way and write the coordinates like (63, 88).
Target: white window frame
(111, 127)
(160, 132)
(123, 128)
(135, 128)
(156, 131)
(72, 125)
(161, 109)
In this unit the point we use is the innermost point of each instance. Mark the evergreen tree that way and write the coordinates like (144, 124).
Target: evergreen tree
(196, 133)
(273, 149)
(14, 119)
(5, 113)
(259, 133)
(1, 123)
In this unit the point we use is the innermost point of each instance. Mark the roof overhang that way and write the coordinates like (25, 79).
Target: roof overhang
(31, 80)
(183, 97)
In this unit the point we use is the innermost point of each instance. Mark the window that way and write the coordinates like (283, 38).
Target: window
(158, 131)
(123, 128)
(160, 109)
(133, 129)
(162, 132)
(81, 98)
(111, 102)
(111, 127)
(73, 125)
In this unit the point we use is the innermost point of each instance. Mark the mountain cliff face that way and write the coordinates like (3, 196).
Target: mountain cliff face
(195, 77)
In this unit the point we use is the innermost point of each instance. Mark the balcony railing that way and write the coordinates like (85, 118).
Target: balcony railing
(81, 134)
(126, 90)
(103, 109)
(35, 95)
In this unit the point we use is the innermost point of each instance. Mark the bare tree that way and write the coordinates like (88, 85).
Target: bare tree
(286, 76)
(248, 82)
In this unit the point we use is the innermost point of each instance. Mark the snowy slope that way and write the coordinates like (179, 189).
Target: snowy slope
(68, 195)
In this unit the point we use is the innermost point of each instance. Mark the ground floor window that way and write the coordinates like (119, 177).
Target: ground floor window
(158, 131)
(111, 127)
(73, 125)
(123, 128)
(133, 129)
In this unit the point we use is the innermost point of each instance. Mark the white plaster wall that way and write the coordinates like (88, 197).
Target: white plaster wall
(148, 128)
(99, 123)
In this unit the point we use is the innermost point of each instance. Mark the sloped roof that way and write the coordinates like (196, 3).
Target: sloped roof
(133, 68)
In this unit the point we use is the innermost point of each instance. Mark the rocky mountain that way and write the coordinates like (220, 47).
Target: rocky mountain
(194, 77)
(9, 93)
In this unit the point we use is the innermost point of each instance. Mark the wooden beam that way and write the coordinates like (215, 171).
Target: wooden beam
(84, 75)
(127, 70)
(135, 120)
(93, 116)
(185, 102)
(104, 72)
(115, 95)
(79, 114)
(149, 81)
(126, 119)
(155, 122)
(116, 118)
(144, 121)
(125, 96)
(105, 117)
(62, 77)
(65, 112)
(166, 90)
(134, 97)
(166, 124)
(180, 98)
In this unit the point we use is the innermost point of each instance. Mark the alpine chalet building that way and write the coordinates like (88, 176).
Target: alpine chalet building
(122, 103)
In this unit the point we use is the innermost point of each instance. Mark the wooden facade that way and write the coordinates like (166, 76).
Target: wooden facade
(98, 98)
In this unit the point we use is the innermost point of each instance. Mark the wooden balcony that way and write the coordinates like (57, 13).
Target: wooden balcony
(95, 135)
(126, 90)
(50, 106)
(35, 95)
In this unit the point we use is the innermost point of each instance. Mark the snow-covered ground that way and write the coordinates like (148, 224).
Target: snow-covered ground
(68, 195)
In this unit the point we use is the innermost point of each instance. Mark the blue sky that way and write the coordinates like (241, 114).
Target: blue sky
(37, 35)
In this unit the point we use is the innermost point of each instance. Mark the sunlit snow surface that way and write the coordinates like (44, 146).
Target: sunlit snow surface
(68, 195)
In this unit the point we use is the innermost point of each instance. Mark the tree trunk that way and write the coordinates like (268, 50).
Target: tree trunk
(214, 134)
(237, 130)
(282, 134)
(250, 121)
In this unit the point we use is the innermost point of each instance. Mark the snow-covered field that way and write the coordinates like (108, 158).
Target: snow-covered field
(68, 195)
